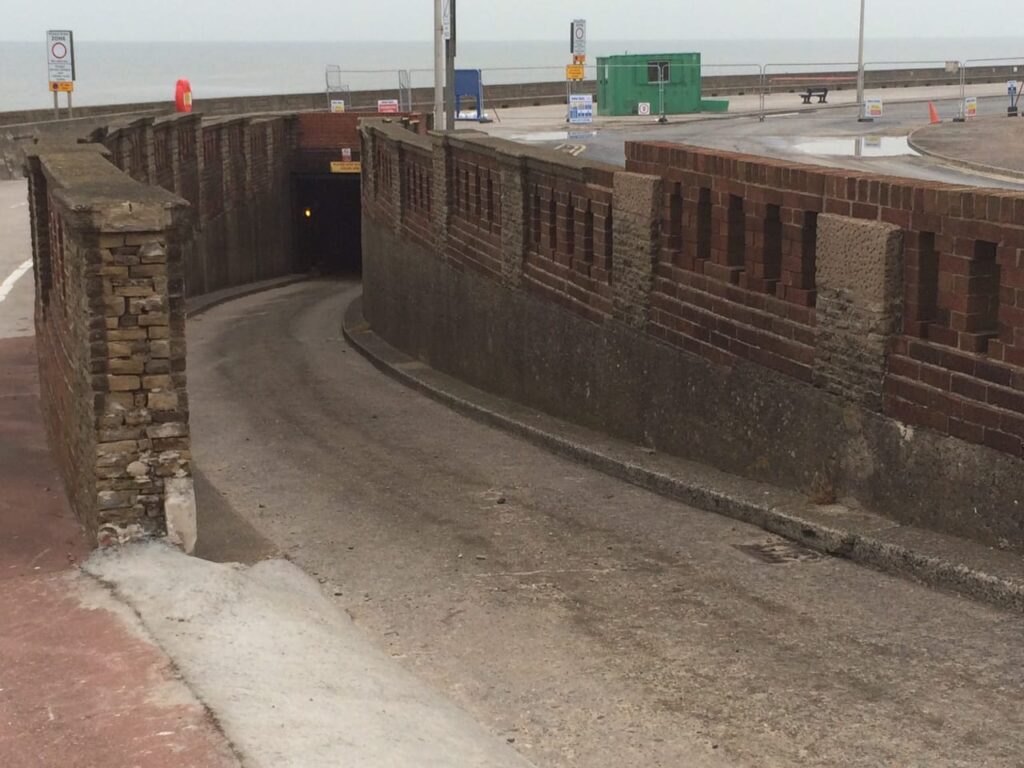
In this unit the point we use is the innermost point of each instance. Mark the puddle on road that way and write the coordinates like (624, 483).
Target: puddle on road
(541, 136)
(857, 146)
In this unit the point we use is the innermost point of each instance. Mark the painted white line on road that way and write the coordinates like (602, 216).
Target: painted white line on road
(17, 205)
(11, 279)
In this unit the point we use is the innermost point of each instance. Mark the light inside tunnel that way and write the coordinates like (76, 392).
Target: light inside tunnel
(308, 213)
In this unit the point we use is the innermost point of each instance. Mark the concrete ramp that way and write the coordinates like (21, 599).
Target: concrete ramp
(289, 677)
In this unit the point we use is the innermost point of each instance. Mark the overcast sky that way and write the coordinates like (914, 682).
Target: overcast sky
(505, 19)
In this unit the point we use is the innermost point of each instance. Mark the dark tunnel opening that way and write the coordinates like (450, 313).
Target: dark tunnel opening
(329, 224)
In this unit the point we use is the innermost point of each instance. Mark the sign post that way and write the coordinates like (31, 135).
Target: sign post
(450, 51)
(581, 109)
(575, 72)
(60, 66)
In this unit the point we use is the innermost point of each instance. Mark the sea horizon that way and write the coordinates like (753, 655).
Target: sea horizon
(113, 72)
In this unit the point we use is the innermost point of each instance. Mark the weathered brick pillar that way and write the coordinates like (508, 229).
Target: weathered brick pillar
(110, 332)
(514, 217)
(149, 148)
(368, 159)
(636, 238)
(247, 129)
(859, 302)
(398, 184)
(442, 182)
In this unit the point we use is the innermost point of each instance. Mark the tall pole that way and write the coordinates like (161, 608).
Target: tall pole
(860, 64)
(449, 70)
(438, 66)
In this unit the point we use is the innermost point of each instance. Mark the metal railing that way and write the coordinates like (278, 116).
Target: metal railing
(764, 79)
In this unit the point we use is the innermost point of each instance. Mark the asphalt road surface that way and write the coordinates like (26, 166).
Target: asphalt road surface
(16, 286)
(586, 621)
(796, 136)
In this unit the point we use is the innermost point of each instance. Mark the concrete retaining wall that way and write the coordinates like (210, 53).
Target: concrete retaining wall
(759, 316)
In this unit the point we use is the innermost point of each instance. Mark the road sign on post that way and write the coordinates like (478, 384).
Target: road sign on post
(60, 65)
(60, 56)
(578, 38)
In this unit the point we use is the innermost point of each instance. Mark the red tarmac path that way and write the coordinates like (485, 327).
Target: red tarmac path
(81, 684)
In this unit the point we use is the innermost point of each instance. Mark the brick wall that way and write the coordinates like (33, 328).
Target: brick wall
(110, 333)
(901, 300)
(235, 173)
(958, 365)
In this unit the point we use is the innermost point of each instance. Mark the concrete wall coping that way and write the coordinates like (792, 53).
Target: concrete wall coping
(535, 158)
(87, 184)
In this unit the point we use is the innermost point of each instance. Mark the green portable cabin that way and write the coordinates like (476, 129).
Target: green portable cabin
(624, 82)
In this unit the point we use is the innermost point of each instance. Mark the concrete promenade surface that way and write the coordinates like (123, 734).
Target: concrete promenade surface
(816, 134)
(593, 623)
(993, 143)
(509, 122)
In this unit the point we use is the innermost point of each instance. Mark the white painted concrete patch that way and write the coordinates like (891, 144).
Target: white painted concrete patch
(292, 681)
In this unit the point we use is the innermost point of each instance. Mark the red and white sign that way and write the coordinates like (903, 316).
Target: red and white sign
(387, 106)
(60, 56)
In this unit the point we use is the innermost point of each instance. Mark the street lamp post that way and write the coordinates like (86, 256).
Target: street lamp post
(860, 71)
(438, 66)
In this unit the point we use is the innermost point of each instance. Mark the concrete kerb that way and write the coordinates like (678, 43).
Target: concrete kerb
(197, 305)
(969, 569)
(988, 170)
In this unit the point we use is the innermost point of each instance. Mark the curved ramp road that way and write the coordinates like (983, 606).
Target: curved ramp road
(585, 621)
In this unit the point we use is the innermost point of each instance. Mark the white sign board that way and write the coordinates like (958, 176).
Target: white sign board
(337, 105)
(387, 106)
(581, 108)
(579, 37)
(446, 19)
(643, 108)
(872, 107)
(971, 106)
(60, 56)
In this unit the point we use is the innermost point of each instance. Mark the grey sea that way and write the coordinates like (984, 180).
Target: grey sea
(114, 72)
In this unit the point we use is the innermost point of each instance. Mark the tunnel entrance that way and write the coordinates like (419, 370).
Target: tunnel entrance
(328, 231)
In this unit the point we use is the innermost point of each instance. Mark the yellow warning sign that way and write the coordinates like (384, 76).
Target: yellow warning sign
(65, 87)
(574, 72)
(346, 166)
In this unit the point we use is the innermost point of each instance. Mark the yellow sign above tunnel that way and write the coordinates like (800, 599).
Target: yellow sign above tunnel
(346, 166)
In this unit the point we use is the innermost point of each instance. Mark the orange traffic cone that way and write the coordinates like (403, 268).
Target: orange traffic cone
(933, 113)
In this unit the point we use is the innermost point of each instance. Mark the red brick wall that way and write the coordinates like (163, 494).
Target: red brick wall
(474, 234)
(335, 130)
(569, 238)
(418, 194)
(743, 284)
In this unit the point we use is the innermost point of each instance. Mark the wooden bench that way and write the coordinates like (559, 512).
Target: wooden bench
(815, 90)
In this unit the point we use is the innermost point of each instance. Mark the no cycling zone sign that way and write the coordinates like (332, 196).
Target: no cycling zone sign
(60, 59)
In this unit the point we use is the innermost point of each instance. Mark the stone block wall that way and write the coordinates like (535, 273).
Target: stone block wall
(859, 273)
(775, 320)
(108, 258)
